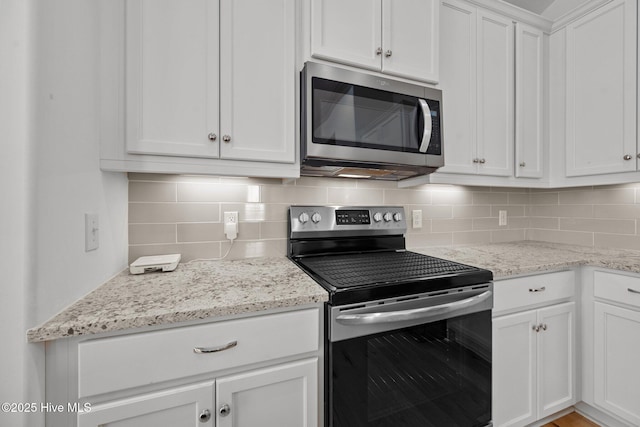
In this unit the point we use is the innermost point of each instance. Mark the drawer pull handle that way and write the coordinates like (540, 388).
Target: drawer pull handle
(542, 289)
(203, 350)
(633, 291)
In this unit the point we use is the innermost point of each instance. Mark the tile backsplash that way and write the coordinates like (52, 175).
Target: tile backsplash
(183, 214)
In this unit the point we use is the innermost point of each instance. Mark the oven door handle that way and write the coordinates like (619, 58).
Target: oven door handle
(413, 314)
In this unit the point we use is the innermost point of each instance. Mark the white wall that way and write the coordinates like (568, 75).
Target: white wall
(49, 177)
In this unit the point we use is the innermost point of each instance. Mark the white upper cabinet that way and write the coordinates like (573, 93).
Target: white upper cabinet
(495, 94)
(394, 37)
(477, 64)
(257, 75)
(601, 64)
(172, 77)
(209, 87)
(529, 126)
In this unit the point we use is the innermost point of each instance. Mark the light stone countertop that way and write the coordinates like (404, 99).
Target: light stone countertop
(210, 289)
(195, 290)
(526, 257)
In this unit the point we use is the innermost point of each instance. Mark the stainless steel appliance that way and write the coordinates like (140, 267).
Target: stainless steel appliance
(359, 125)
(408, 336)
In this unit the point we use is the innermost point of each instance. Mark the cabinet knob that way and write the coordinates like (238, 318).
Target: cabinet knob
(204, 416)
(522, 164)
(476, 160)
(212, 136)
(638, 155)
(226, 138)
(482, 161)
(388, 53)
(627, 157)
(536, 328)
(543, 326)
(224, 410)
(379, 51)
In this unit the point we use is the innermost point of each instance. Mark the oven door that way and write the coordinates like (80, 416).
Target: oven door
(416, 363)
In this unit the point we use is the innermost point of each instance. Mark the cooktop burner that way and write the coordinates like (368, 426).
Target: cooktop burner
(353, 270)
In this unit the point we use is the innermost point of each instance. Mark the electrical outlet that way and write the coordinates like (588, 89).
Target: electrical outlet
(231, 225)
(91, 232)
(416, 216)
(502, 217)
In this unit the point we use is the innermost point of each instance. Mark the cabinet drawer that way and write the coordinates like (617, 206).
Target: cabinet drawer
(117, 363)
(522, 292)
(617, 287)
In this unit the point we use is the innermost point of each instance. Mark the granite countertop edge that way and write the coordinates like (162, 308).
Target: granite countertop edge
(213, 289)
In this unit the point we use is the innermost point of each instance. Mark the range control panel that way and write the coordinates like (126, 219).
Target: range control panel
(328, 221)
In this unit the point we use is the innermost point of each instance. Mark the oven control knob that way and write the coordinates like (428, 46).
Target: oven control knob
(304, 217)
(387, 216)
(397, 217)
(377, 217)
(316, 218)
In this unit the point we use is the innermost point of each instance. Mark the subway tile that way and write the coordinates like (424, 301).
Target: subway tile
(569, 211)
(545, 198)
(273, 230)
(328, 182)
(486, 224)
(257, 211)
(616, 211)
(453, 224)
(355, 196)
(255, 249)
(542, 222)
(490, 198)
(471, 211)
(200, 232)
(620, 226)
(407, 196)
(471, 237)
(145, 191)
(294, 195)
(519, 198)
(152, 233)
(512, 210)
(558, 236)
(173, 212)
(598, 196)
(452, 196)
(429, 239)
(435, 212)
(212, 192)
(503, 236)
(606, 240)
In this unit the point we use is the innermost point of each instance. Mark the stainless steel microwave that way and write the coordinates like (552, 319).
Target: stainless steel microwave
(361, 125)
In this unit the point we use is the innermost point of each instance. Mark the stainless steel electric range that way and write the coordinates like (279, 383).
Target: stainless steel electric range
(408, 336)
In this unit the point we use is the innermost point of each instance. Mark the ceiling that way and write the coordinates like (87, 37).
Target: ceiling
(551, 9)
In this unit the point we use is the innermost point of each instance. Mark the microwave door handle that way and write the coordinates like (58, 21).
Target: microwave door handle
(426, 133)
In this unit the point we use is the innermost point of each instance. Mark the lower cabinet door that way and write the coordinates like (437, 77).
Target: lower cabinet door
(617, 361)
(556, 352)
(182, 406)
(280, 396)
(514, 369)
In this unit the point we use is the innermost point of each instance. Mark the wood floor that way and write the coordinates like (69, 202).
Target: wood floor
(572, 420)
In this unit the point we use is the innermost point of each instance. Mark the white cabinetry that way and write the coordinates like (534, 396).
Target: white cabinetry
(530, 89)
(260, 370)
(616, 341)
(394, 37)
(477, 77)
(533, 348)
(601, 80)
(209, 86)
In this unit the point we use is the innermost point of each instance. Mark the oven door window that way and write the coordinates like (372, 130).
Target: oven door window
(356, 116)
(436, 374)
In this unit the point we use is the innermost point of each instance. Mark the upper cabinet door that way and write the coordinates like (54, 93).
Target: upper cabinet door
(347, 31)
(495, 94)
(258, 80)
(172, 77)
(529, 101)
(601, 91)
(410, 38)
(458, 83)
